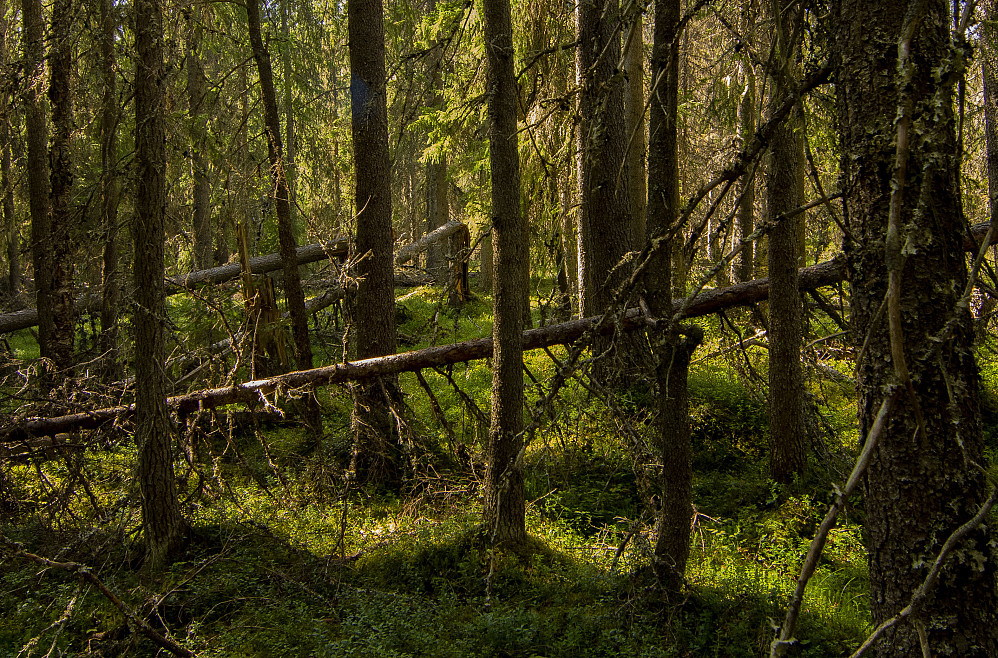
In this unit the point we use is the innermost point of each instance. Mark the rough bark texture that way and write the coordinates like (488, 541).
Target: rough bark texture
(376, 444)
(989, 70)
(670, 351)
(36, 126)
(785, 192)
(282, 204)
(110, 191)
(60, 257)
(605, 211)
(201, 211)
(162, 522)
(634, 108)
(922, 483)
(504, 509)
(10, 224)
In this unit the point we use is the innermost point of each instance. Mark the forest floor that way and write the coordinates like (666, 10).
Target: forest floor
(286, 560)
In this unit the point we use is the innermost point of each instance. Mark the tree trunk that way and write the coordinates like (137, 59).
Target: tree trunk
(377, 456)
(605, 210)
(282, 204)
(290, 132)
(60, 258)
(504, 507)
(10, 223)
(634, 108)
(923, 481)
(746, 208)
(162, 521)
(201, 220)
(110, 191)
(36, 126)
(670, 351)
(436, 169)
(785, 192)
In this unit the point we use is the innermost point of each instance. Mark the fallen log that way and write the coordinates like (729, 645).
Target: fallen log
(311, 253)
(411, 250)
(708, 302)
(91, 303)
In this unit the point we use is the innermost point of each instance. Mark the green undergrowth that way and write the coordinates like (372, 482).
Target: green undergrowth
(285, 560)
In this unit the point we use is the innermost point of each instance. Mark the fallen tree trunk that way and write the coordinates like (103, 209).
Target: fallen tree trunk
(411, 250)
(708, 302)
(311, 253)
(91, 303)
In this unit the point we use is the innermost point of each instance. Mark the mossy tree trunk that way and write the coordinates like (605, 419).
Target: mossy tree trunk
(162, 522)
(923, 480)
(504, 506)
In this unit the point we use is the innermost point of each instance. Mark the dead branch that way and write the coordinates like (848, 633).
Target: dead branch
(785, 640)
(86, 574)
(252, 392)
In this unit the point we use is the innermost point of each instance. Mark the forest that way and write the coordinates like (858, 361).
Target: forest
(522, 328)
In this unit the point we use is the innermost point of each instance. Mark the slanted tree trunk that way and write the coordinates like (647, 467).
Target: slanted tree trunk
(282, 203)
(110, 190)
(60, 258)
(785, 192)
(377, 455)
(201, 211)
(162, 523)
(923, 480)
(504, 506)
(671, 351)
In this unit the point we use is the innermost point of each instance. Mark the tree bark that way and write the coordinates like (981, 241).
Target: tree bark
(60, 257)
(785, 191)
(605, 211)
(10, 223)
(504, 507)
(377, 454)
(162, 522)
(670, 351)
(36, 125)
(201, 211)
(634, 109)
(922, 482)
(110, 191)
